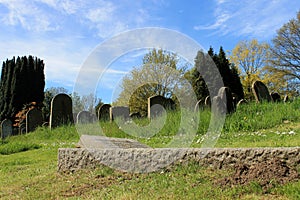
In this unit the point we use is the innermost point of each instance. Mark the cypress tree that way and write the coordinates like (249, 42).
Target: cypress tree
(228, 72)
(22, 82)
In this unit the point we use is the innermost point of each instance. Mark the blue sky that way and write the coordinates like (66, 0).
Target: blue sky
(64, 32)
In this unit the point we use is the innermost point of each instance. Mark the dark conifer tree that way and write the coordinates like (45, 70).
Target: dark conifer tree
(22, 82)
(227, 71)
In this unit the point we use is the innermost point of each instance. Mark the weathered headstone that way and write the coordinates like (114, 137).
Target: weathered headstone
(61, 111)
(135, 115)
(45, 124)
(261, 92)
(275, 96)
(219, 106)
(119, 112)
(241, 102)
(85, 117)
(93, 141)
(286, 98)
(103, 112)
(199, 105)
(34, 119)
(75, 116)
(207, 101)
(6, 128)
(156, 105)
(226, 96)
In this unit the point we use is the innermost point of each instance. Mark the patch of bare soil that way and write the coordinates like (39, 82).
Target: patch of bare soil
(266, 174)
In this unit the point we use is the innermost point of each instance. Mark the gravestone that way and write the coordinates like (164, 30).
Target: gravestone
(102, 142)
(103, 112)
(241, 102)
(135, 115)
(286, 98)
(6, 128)
(85, 117)
(226, 96)
(75, 116)
(34, 119)
(207, 101)
(219, 106)
(61, 111)
(45, 124)
(261, 92)
(157, 104)
(22, 128)
(199, 105)
(275, 96)
(119, 112)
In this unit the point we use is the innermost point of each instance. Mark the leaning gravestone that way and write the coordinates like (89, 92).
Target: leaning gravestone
(85, 117)
(6, 128)
(286, 98)
(219, 106)
(275, 96)
(199, 105)
(61, 110)
(34, 119)
(241, 102)
(135, 115)
(103, 112)
(261, 92)
(119, 112)
(157, 104)
(22, 128)
(207, 101)
(226, 96)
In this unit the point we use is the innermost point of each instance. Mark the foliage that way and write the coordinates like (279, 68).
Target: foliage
(48, 96)
(80, 103)
(228, 73)
(25, 175)
(22, 82)
(251, 57)
(285, 51)
(158, 75)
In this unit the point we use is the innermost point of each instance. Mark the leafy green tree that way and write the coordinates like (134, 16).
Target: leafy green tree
(160, 74)
(250, 57)
(285, 53)
(48, 96)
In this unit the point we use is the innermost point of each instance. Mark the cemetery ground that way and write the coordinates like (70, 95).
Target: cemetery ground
(28, 163)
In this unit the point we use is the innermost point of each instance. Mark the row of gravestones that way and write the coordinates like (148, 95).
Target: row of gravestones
(61, 113)
(156, 106)
(34, 119)
(61, 109)
(225, 102)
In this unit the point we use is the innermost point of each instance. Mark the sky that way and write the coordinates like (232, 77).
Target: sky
(64, 33)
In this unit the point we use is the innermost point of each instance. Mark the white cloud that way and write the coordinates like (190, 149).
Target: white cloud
(255, 18)
(106, 17)
(27, 14)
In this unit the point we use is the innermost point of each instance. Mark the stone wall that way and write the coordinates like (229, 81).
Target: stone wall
(144, 160)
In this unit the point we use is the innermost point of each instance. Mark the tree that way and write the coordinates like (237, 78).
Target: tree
(158, 75)
(250, 57)
(48, 96)
(22, 83)
(285, 51)
(228, 72)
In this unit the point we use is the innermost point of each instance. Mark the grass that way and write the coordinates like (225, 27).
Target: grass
(28, 163)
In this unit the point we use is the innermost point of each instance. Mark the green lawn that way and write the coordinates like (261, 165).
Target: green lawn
(28, 163)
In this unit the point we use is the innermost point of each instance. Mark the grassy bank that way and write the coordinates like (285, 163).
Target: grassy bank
(28, 163)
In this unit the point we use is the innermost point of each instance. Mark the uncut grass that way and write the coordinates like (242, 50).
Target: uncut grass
(238, 129)
(32, 173)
